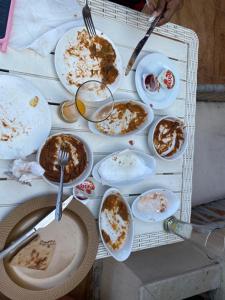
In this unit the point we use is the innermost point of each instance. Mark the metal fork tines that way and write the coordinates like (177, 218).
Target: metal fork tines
(86, 11)
(63, 158)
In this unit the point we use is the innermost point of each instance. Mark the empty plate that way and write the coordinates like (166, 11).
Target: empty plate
(76, 240)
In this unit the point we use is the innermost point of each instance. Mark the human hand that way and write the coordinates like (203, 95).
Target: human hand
(165, 7)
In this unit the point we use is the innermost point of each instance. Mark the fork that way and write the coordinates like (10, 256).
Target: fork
(63, 158)
(86, 11)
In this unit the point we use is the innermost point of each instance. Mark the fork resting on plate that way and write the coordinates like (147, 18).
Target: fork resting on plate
(63, 158)
(86, 11)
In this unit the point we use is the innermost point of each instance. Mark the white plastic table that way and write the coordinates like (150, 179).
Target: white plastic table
(125, 27)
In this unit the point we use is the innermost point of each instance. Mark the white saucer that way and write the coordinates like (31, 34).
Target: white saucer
(154, 63)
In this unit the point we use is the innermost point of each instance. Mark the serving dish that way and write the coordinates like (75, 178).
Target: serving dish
(133, 113)
(72, 55)
(119, 248)
(124, 168)
(76, 240)
(161, 204)
(25, 117)
(155, 63)
(183, 144)
(89, 161)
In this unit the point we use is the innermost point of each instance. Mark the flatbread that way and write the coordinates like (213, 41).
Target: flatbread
(36, 255)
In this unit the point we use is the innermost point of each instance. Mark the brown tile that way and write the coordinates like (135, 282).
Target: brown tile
(207, 19)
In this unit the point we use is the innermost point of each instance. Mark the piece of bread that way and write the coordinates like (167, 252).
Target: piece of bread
(37, 254)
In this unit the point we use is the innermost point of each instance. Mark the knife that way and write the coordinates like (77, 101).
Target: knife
(34, 231)
(141, 44)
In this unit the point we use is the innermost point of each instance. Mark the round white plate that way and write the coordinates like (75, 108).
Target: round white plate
(155, 63)
(172, 206)
(23, 127)
(65, 65)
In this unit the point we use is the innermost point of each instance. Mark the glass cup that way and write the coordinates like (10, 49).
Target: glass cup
(209, 238)
(68, 111)
(90, 97)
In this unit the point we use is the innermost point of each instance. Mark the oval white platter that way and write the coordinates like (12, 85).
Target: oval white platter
(25, 117)
(173, 205)
(149, 160)
(63, 66)
(155, 63)
(123, 253)
(144, 125)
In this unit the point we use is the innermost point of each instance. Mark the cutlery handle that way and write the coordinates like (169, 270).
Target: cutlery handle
(58, 211)
(18, 243)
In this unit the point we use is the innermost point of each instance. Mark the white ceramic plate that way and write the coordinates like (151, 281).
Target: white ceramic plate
(83, 176)
(148, 121)
(155, 63)
(123, 253)
(64, 66)
(149, 162)
(177, 155)
(25, 124)
(172, 206)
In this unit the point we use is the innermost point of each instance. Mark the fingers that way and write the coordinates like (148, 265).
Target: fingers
(166, 17)
(149, 7)
(169, 8)
(161, 7)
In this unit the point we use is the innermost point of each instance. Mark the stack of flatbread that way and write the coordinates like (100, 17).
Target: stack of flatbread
(36, 255)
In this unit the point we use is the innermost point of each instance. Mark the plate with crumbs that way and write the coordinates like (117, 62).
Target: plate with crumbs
(73, 243)
(25, 117)
(127, 118)
(155, 205)
(79, 58)
(116, 224)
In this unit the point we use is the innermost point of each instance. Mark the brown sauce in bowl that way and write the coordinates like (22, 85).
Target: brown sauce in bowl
(77, 158)
(168, 137)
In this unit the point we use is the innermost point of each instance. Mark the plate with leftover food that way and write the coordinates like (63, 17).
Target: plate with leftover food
(80, 161)
(124, 168)
(155, 205)
(25, 117)
(116, 224)
(157, 80)
(56, 260)
(79, 58)
(127, 118)
(168, 138)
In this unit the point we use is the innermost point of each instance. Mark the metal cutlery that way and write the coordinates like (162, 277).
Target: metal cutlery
(33, 232)
(141, 44)
(63, 158)
(86, 11)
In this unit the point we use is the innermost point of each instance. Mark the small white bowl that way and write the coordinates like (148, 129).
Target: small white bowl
(83, 176)
(123, 253)
(178, 154)
(173, 206)
(148, 121)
